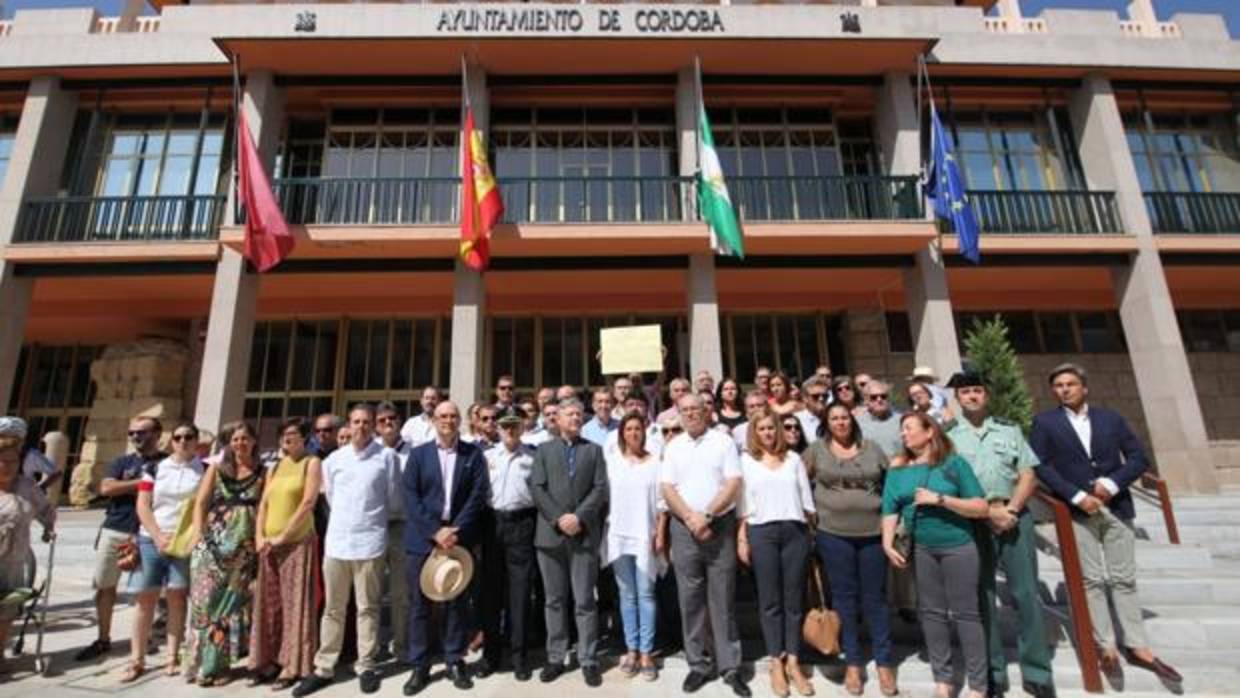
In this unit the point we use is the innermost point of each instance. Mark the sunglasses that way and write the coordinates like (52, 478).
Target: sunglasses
(388, 420)
(815, 396)
(503, 387)
(183, 437)
(877, 397)
(790, 427)
(672, 430)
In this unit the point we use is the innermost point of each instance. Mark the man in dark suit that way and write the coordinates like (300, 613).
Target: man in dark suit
(1090, 457)
(569, 484)
(445, 490)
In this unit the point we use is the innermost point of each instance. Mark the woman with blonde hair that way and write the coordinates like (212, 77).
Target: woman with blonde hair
(286, 633)
(777, 511)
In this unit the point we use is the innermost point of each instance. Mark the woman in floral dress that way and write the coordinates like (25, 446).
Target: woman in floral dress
(224, 562)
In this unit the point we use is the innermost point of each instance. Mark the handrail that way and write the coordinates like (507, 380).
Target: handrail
(1078, 604)
(1163, 495)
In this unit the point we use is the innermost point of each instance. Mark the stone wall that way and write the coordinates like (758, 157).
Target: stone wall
(145, 377)
(866, 347)
(1216, 375)
(1112, 384)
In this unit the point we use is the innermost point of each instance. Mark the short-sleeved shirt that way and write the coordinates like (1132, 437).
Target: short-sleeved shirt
(997, 451)
(884, 432)
(171, 484)
(122, 512)
(936, 527)
(697, 468)
(848, 494)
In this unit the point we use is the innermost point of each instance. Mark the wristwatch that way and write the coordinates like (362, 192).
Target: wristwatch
(710, 518)
(941, 498)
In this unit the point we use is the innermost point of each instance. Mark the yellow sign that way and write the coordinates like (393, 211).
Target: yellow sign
(631, 349)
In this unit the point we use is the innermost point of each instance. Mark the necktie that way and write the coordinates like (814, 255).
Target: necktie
(571, 456)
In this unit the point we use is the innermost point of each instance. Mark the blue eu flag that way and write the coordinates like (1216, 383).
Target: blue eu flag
(945, 187)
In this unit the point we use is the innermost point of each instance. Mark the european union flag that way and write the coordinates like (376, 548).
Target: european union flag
(945, 187)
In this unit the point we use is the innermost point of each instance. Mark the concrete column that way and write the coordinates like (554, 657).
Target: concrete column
(1164, 380)
(35, 163)
(705, 345)
(925, 285)
(234, 297)
(1010, 9)
(468, 286)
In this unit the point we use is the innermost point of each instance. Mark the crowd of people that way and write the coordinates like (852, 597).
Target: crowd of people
(527, 504)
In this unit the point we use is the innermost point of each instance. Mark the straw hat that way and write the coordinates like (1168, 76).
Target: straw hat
(923, 373)
(446, 573)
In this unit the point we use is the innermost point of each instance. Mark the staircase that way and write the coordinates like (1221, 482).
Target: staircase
(1190, 593)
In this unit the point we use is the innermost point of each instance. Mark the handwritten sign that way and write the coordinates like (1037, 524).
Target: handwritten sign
(631, 349)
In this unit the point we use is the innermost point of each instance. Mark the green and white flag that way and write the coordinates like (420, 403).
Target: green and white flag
(713, 200)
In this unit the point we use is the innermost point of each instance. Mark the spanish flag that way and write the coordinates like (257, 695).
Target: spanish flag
(481, 205)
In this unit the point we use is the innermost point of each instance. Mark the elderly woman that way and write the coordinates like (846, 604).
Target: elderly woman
(163, 493)
(224, 562)
(21, 503)
(773, 536)
(286, 634)
(935, 496)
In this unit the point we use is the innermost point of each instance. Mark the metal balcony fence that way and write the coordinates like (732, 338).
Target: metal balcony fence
(120, 218)
(1194, 212)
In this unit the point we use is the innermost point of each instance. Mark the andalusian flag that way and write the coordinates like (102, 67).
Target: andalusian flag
(713, 199)
(481, 205)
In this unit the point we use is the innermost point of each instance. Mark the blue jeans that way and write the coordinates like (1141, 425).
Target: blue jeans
(637, 607)
(857, 576)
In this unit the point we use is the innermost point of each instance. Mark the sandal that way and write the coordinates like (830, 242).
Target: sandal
(133, 672)
(648, 669)
(173, 667)
(283, 684)
(628, 665)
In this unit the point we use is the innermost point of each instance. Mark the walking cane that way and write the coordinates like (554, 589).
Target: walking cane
(40, 661)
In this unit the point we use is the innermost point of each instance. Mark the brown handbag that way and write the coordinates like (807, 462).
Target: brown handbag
(821, 627)
(128, 558)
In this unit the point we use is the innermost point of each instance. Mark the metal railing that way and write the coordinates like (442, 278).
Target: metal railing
(811, 198)
(1194, 212)
(120, 218)
(1155, 488)
(1071, 212)
(368, 201)
(658, 199)
(1074, 582)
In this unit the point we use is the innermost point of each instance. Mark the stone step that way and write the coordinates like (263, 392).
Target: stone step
(1190, 517)
(1168, 587)
(1192, 533)
(1151, 557)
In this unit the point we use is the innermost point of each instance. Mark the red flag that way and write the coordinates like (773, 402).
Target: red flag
(267, 238)
(481, 205)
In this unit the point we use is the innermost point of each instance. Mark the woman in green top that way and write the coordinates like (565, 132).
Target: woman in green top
(286, 635)
(938, 494)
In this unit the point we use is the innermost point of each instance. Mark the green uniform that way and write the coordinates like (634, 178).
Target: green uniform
(999, 453)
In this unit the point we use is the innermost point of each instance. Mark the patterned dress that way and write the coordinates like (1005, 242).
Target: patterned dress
(222, 570)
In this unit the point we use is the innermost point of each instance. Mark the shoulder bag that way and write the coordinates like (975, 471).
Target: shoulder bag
(821, 627)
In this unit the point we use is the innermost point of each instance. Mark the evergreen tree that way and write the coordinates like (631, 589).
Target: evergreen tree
(992, 355)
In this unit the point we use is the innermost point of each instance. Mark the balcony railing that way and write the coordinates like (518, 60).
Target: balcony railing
(1070, 212)
(1194, 212)
(120, 218)
(654, 199)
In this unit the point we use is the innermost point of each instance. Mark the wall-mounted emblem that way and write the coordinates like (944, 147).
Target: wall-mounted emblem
(306, 22)
(850, 23)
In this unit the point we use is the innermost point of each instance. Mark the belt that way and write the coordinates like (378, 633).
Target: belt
(514, 514)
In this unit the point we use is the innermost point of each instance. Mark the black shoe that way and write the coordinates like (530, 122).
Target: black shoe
(310, 684)
(418, 680)
(996, 693)
(94, 650)
(369, 681)
(485, 667)
(694, 681)
(460, 676)
(737, 684)
(551, 671)
(521, 670)
(592, 676)
(1039, 690)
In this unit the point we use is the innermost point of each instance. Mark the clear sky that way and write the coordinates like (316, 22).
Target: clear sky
(1165, 8)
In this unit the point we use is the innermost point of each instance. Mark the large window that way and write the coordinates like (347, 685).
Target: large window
(572, 164)
(552, 351)
(1011, 151)
(8, 131)
(1038, 332)
(172, 154)
(54, 392)
(1210, 330)
(1184, 153)
(794, 344)
(308, 367)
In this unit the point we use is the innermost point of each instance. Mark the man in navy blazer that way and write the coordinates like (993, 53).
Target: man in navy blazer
(435, 520)
(1090, 457)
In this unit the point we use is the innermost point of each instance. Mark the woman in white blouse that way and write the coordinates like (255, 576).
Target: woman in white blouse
(774, 538)
(636, 541)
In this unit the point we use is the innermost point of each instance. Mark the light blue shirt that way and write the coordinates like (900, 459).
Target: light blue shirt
(597, 433)
(361, 487)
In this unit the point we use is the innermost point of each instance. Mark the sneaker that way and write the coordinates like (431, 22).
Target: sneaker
(94, 650)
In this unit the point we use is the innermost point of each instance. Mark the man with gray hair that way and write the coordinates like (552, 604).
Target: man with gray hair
(678, 388)
(880, 423)
(568, 482)
(701, 480)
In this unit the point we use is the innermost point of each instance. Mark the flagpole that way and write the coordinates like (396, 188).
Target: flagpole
(236, 173)
(698, 105)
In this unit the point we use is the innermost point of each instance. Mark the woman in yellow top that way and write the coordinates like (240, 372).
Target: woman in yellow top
(285, 635)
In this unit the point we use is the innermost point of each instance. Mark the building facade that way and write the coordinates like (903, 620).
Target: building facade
(1101, 154)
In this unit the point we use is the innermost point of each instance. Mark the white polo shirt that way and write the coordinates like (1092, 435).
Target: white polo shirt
(697, 468)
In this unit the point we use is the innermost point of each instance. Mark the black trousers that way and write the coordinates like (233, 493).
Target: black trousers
(780, 556)
(455, 632)
(508, 568)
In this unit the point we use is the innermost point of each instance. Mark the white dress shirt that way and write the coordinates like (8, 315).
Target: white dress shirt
(781, 494)
(510, 474)
(361, 487)
(1085, 432)
(698, 468)
(417, 430)
(809, 424)
(447, 469)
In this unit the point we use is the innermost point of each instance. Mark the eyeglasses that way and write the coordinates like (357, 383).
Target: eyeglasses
(390, 419)
(815, 396)
(184, 437)
(503, 387)
(790, 427)
(135, 433)
(672, 430)
(876, 397)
